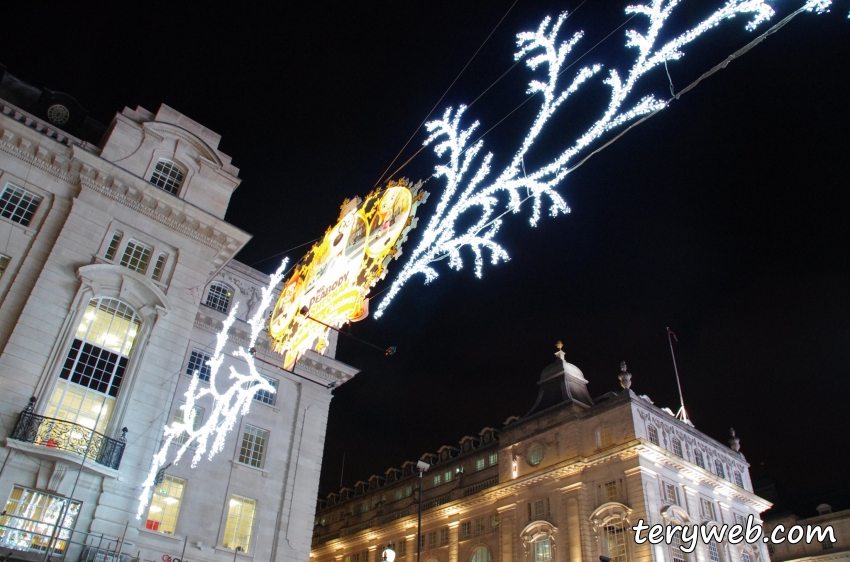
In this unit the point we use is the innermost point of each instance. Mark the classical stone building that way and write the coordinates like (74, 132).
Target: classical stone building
(566, 482)
(116, 271)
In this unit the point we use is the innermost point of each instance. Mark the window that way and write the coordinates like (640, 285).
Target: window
(365, 556)
(347, 558)
(615, 540)
(698, 458)
(265, 396)
(421, 541)
(198, 362)
(714, 552)
(676, 554)
(671, 494)
(136, 256)
(4, 263)
(408, 491)
(447, 476)
(95, 365)
(218, 297)
(479, 464)
(168, 176)
(541, 508)
(771, 550)
(535, 454)
(355, 557)
(30, 515)
(718, 468)
(254, 441)
(494, 522)
(165, 505)
(480, 526)
(364, 507)
(438, 479)
(677, 447)
(745, 556)
(465, 530)
(605, 439)
(240, 522)
(708, 509)
(157, 269)
(112, 249)
(432, 539)
(444, 537)
(399, 494)
(179, 417)
(480, 554)
(542, 550)
(827, 544)
(739, 481)
(739, 519)
(653, 434)
(18, 204)
(611, 491)
(494, 459)
(402, 547)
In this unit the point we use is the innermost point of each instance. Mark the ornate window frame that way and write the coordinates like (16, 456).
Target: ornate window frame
(606, 513)
(535, 531)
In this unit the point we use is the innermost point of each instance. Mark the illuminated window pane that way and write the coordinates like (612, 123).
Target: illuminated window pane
(494, 459)
(713, 552)
(180, 417)
(615, 541)
(165, 505)
(168, 176)
(542, 550)
(480, 554)
(265, 396)
(253, 449)
(218, 297)
(136, 256)
(535, 455)
(18, 204)
(30, 517)
(610, 491)
(240, 522)
(676, 553)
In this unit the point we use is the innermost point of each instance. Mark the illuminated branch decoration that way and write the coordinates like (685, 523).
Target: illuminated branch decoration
(227, 405)
(467, 191)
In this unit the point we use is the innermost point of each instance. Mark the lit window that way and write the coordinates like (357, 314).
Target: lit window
(168, 176)
(165, 505)
(714, 552)
(465, 530)
(18, 205)
(479, 464)
(30, 518)
(157, 269)
(265, 396)
(4, 263)
(718, 469)
(94, 367)
(535, 455)
(653, 434)
(240, 522)
(708, 509)
(739, 481)
(408, 491)
(136, 256)
(605, 439)
(677, 447)
(494, 522)
(698, 458)
(218, 297)
(447, 476)
(676, 553)
(347, 558)
(671, 494)
(480, 526)
(444, 537)
(480, 554)
(399, 494)
(253, 449)
(438, 479)
(542, 550)
(112, 249)
(179, 417)
(494, 459)
(364, 507)
(198, 362)
(615, 540)
(610, 491)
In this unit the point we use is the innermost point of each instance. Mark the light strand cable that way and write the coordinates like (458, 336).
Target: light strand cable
(445, 93)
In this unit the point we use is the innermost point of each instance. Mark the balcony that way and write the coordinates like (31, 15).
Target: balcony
(69, 437)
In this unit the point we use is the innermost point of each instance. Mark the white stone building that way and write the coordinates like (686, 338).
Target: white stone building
(564, 483)
(115, 274)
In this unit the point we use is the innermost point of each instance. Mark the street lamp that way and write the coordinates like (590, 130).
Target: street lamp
(422, 466)
(388, 555)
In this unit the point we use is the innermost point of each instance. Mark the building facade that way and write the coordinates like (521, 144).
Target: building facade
(566, 482)
(115, 275)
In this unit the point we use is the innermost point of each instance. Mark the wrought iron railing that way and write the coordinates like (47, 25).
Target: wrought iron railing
(71, 437)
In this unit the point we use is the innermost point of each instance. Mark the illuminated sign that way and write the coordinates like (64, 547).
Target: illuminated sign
(333, 280)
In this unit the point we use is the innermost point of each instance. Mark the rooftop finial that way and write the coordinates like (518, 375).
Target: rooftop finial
(734, 442)
(560, 353)
(625, 376)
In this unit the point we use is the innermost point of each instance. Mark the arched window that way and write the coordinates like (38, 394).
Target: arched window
(718, 468)
(168, 176)
(94, 367)
(218, 297)
(653, 434)
(714, 552)
(698, 458)
(542, 549)
(739, 480)
(480, 554)
(615, 540)
(676, 553)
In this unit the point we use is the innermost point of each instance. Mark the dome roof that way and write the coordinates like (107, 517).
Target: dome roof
(560, 367)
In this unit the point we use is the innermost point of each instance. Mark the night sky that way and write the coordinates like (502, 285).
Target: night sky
(724, 217)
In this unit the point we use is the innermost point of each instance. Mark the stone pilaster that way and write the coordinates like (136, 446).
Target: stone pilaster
(508, 533)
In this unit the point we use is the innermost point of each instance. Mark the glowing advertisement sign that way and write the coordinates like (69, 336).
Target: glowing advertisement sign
(333, 280)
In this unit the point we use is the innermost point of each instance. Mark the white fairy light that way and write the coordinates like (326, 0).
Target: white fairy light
(541, 48)
(227, 405)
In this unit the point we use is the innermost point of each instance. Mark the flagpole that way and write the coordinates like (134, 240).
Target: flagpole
(681, 414)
